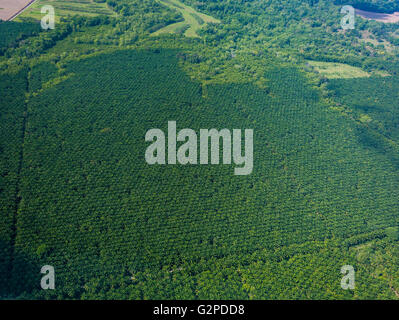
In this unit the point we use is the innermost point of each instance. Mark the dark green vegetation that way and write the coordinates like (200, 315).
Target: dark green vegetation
(12, 33)
(12, 101)
(77, 194)
(375, 98)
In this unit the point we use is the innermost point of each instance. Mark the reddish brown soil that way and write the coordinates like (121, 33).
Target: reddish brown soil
(383, 17)
(11, 8)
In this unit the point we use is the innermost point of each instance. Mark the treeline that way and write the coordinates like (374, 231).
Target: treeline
(301, 29)
(12, 33)
(34, 46)
(148, 15)
(116, 228)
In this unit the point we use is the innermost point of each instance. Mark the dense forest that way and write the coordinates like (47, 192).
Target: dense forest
(13, 33)
(76, 192)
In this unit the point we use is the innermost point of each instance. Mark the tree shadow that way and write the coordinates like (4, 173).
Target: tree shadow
(377, 142)
(20, 274)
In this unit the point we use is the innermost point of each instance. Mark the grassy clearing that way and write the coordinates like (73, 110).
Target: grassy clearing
(67, 7)
(332, 70)
(381, 73)
(194, 19)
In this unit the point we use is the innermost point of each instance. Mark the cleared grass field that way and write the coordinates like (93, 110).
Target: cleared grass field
(67, 7)
(332, 70)
(193, 20)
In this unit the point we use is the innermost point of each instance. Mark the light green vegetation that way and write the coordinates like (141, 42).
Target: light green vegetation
(381, 73)
(193, 18)
(332, 70)
(64, 8)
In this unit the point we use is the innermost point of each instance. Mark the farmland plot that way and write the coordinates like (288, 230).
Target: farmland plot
(10, 8)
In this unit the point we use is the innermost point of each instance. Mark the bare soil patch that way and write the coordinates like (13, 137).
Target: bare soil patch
(10, 8)
(382, 17)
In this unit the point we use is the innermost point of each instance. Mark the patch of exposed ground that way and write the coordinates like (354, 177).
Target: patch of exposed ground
(11, 8)
(382, 17)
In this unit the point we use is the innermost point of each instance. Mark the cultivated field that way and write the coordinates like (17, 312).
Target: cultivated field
(382, 17)
(10, 8)
(193, 20)
(67, 7)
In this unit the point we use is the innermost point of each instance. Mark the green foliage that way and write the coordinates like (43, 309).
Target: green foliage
(392, 233)
(375, 97)
(12, 112)
(76, 192)
(41, 250)
(66, 8)
(193, 20)
(73, 154)
(384, 6)
(12, 33)
(40, 74)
